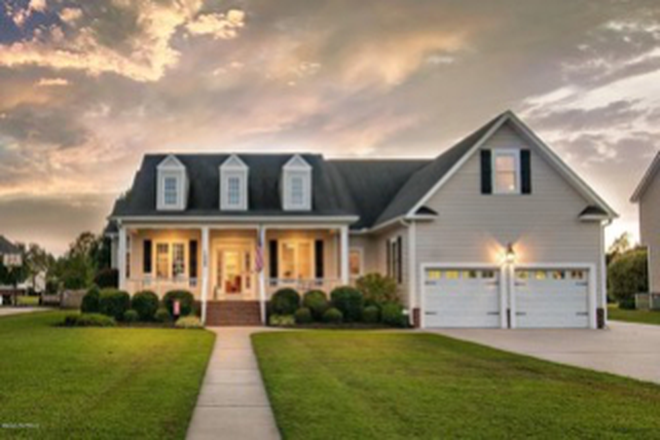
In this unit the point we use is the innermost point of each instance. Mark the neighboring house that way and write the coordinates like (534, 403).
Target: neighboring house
(647, 196)
(10, 255)
(495, 232)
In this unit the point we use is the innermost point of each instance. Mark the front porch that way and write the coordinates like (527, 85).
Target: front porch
(230, 264)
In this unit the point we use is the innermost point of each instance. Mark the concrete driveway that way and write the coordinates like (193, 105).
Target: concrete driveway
(8, 311)
(625, 349)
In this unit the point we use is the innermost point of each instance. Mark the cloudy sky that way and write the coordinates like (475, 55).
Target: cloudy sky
(88, 87)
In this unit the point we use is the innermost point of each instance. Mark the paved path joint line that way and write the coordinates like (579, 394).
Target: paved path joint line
(233, 402)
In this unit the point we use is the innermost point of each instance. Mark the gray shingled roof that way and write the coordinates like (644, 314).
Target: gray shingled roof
(374, 190)
(7, 247)
(423, 181)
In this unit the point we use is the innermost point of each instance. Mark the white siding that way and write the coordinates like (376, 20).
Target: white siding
(649, 219)
(475, 228)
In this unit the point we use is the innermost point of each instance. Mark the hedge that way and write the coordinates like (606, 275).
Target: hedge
(145, 304)
(349, 301)
(113, 302)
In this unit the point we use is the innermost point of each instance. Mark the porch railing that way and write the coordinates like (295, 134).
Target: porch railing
(162, 285)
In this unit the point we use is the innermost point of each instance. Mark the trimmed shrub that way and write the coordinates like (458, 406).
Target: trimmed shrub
(89, 320)
(113, 302)
(107, 278)
(145, 304)
(281, 320)
(627, 304)
(163, 315)
(333, 316)
(349, 301)
(285, 302)
(317, 302)
(131, 316)
(377, 289)
(627, 275)
(189, 322)
(90, 302)
(371, 315)
(185, 298)
(392, 315)
(303, 316)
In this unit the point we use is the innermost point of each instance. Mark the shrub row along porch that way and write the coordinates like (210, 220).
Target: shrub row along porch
(232, 270)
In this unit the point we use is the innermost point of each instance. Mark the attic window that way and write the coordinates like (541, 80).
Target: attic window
(506, 175)
(233, 185)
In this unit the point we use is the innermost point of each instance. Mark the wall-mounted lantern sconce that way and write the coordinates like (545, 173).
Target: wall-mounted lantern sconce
(510, 254)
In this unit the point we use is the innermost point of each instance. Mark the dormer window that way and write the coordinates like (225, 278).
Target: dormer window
(233, 185)
(171, 193)
(297, 185)
(172, 185)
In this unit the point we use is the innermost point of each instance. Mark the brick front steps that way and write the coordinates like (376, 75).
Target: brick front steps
(233, 313)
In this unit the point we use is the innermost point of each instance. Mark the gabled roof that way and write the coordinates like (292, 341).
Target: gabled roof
(375, 192)
(330, 196)
(647, 179)
(7, 247)
(233, 162)
(171, 162)
(431, 178)
(424, 180)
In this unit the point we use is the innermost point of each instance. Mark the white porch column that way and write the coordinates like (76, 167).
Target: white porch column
(262, 274)
(343, 261)
(121, 257)
(205, 270)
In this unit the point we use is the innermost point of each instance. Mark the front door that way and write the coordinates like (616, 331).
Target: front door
(233, 271)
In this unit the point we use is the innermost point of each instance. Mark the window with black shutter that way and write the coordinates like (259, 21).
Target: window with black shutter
(399, 260)
(486, 172)
(146, 256)
(525, 172)
(318, 259)
(192, 259)
(388, 259)
(273, 259)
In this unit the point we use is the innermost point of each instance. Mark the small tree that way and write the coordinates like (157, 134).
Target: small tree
(627, 274)
(377, 289)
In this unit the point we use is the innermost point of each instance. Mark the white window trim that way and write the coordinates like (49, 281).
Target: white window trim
(296, 246)
(171, 167)
(360, 251)
(295, 167)
(505, 152)
(234, 167)
(170, 259)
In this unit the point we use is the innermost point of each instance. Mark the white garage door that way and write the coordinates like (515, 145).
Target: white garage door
(557, 298)
(461, 297)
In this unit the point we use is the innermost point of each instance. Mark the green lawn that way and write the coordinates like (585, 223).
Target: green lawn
(97, 382)
(639, 316)
(350, 385)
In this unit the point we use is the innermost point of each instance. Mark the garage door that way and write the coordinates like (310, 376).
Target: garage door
(552, 298)
(461, 298)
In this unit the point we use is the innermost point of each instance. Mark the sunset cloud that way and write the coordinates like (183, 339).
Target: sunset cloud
(87, 88)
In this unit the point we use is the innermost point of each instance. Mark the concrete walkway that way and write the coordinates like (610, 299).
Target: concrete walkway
(625, 349)
(9, 310)
(233, 403)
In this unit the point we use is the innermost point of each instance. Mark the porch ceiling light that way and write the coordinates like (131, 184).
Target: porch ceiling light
(509, 254)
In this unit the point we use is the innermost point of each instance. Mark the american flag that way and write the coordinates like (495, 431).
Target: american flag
(259, 258)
